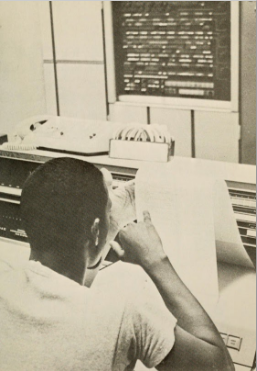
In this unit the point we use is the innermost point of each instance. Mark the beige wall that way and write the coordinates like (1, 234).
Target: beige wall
(78, 36)
(78, 33)
(21, 69)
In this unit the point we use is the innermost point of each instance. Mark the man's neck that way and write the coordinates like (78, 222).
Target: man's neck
(72, 269)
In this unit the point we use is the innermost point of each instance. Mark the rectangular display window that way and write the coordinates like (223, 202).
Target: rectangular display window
(175, 49)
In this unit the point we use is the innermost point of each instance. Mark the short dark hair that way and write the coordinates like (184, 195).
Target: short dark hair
(59, 203)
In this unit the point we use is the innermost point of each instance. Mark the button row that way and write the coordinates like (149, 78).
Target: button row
(232, 341)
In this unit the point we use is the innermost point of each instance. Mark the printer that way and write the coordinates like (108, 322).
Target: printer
(234, 314)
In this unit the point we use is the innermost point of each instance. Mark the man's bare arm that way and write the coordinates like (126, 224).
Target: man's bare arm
(198, 345)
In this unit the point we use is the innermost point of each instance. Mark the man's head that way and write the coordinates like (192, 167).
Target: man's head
(64, 208)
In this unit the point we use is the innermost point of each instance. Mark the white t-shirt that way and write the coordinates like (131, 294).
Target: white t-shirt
(49, 322)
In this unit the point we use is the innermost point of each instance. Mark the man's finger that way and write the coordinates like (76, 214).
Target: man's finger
(147, 217)
(117, 248)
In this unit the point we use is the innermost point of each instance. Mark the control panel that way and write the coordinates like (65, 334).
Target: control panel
(173, 48)
(14, 172)
(10, 220)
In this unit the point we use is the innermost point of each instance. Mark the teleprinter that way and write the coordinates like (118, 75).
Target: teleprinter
(63, 134)
(234, 314)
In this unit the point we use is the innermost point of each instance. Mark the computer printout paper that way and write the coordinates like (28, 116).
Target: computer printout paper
(193, 214)
(181, 208)
(229, 245)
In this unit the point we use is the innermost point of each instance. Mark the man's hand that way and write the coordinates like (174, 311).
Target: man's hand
(198, 345)
(123, 209)
(140, 243)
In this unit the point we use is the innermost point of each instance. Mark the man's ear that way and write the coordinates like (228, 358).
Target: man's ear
(95, 231)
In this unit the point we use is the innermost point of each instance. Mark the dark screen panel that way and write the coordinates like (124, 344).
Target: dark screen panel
(173, 48)
(14, 173)
(10, 222)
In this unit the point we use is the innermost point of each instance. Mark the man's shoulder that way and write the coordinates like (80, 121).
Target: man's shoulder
(128, 284)
(123, 276)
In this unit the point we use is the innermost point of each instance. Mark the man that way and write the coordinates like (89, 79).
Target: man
(51, 321)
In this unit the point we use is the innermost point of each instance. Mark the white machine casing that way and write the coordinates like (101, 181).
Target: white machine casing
(66, 134)
(235, 312)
